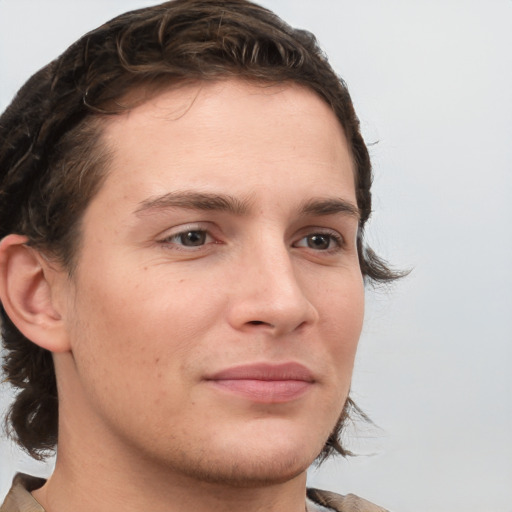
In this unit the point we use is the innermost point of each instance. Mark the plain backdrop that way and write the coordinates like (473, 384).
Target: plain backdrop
(432, 83)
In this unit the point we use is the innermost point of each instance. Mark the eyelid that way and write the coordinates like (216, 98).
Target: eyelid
(313, 230)
(165, 237)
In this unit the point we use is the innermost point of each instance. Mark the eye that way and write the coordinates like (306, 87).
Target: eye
(192, 238)
(321, 241)
(189, 238)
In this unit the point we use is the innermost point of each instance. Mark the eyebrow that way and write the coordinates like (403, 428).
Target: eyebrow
(225, 203)
(194, 201)
(330, 206)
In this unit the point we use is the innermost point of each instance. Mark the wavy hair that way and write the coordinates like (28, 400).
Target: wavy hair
(52, 161)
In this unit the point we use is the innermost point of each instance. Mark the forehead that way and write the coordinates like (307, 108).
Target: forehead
(228, 134)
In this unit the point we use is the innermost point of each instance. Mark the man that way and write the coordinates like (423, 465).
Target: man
(184, 193)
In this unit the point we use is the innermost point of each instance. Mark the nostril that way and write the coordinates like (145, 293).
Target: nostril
(260, 322)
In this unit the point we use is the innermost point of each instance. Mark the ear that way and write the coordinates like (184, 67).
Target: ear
(28, 285)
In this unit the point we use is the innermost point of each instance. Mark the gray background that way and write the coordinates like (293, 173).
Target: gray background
(432, 83)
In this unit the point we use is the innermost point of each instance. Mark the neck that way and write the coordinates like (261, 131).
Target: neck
(80, 486)
(97, 470)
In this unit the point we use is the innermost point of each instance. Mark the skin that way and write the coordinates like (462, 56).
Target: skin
(146, 320)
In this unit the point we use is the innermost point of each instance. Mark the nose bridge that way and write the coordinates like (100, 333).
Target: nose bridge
(277, 276)
(270, 294)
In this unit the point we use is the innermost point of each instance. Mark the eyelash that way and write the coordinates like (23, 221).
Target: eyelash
(332, 236)
(172, 240)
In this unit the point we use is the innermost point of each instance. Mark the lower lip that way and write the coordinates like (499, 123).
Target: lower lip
(264, 391)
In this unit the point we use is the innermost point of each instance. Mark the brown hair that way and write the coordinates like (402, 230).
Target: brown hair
(52, 162)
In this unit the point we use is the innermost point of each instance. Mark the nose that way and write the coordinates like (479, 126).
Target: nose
(270, 293)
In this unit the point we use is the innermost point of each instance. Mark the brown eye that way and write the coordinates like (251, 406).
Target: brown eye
(192, 238)
(188, 239)
(319, 242)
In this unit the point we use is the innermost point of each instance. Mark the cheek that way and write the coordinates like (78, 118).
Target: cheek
(342, 310)
(141, 320)
(128, 350)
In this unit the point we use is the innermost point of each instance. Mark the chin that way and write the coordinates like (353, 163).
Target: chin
(274, 460)
(250, 473)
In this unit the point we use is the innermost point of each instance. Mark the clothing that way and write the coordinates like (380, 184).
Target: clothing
(333, 501)
(19, 499)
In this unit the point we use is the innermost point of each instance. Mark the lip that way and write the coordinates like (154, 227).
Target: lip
(264, 382)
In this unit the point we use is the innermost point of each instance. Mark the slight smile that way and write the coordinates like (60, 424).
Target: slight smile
(264, 382)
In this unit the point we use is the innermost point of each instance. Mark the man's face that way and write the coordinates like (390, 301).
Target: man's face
(217, 303)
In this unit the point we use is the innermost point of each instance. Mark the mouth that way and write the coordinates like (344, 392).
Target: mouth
(263, 382)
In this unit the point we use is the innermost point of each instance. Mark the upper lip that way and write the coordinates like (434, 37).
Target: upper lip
(265, 371)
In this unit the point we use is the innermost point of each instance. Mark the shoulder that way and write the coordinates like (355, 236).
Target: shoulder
(339, 503)
(19, 498)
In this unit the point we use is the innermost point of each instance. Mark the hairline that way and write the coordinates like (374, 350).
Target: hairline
(137, 96)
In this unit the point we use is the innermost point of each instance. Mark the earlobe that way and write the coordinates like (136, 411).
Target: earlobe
(26, 281)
